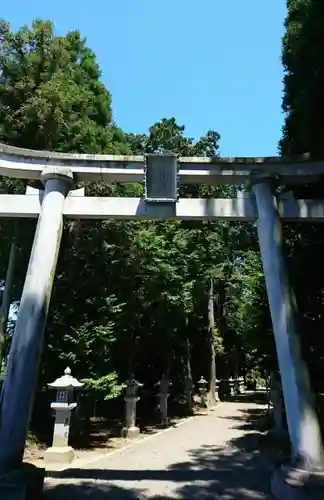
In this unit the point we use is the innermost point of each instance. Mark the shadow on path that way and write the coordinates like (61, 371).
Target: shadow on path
(257, 397)
(231, 471)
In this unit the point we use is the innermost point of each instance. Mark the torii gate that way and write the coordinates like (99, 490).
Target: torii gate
(60, 174)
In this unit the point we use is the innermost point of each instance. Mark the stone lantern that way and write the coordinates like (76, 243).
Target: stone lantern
(60, 451)
(202, 388)
(130, 430)
(163, 395)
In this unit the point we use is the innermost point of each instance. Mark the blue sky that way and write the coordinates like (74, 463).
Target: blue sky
(213, 64)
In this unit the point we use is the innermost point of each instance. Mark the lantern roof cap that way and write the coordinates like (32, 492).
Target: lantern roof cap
(202, 380)
(66, 381)
(132, 381)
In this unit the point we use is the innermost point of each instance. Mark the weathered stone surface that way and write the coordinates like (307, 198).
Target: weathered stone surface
(59, 454)
(130, 432)
(21, 371)
(302, 421)
(28, 164)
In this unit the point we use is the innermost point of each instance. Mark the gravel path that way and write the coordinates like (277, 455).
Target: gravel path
(211, 456)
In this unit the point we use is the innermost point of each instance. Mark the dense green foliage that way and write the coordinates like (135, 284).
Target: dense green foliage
(51, 94)
(303, 132)
(182, 298)
(303, 100)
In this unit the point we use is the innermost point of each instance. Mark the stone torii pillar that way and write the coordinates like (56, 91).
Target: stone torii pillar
(303, 426)
(21, 374)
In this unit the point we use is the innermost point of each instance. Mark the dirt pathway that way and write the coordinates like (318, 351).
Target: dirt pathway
(212, 456)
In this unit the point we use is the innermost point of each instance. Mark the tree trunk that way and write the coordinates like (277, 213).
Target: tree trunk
(188, 370)
(7, 295)
(212, 394)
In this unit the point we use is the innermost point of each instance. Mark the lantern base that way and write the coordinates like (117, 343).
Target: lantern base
(25, 483)
(59, 454)
(130, 432)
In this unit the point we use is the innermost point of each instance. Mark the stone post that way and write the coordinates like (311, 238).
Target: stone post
(163, 395)
(130, 430)
(21, 371)
(60, 451)
(303, 425)
(218, 383)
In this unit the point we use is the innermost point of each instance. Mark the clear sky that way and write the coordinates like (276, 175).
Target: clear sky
(213, 64)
